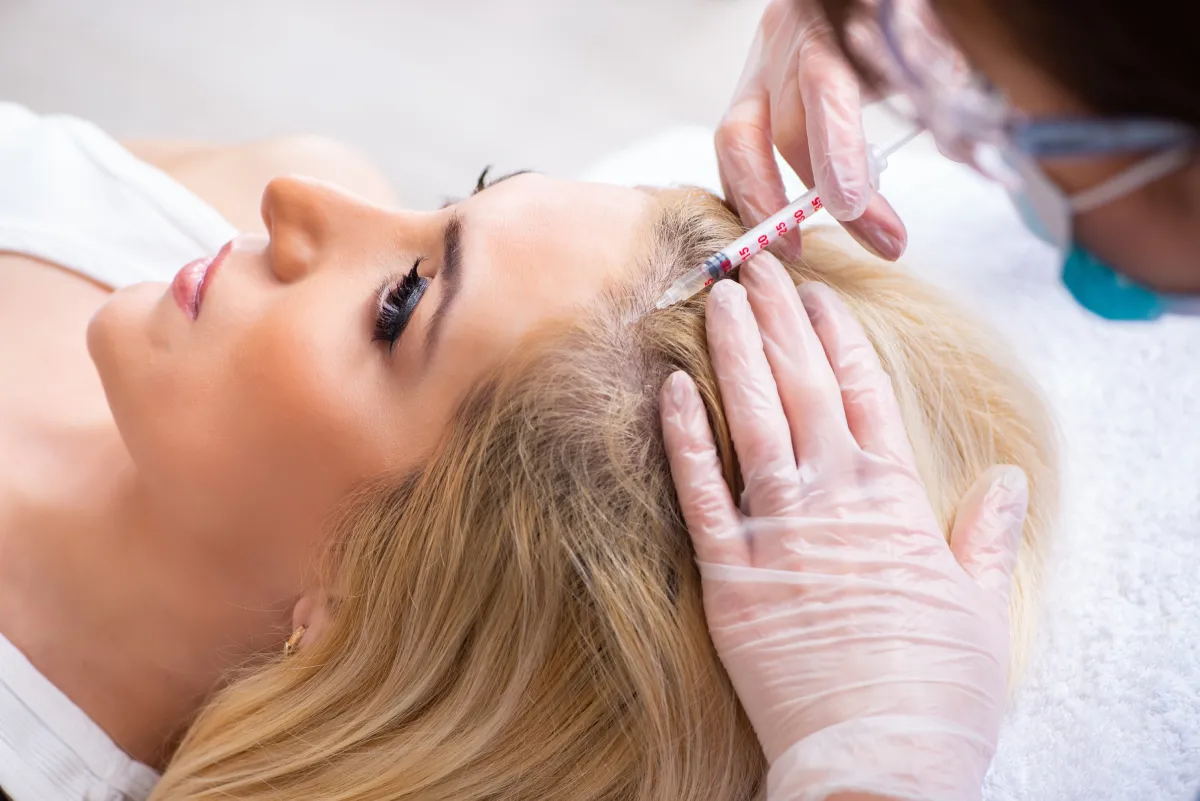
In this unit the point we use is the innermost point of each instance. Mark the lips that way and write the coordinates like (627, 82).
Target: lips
(193, 280)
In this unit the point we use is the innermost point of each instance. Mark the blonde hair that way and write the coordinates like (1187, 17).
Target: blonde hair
(521, 618)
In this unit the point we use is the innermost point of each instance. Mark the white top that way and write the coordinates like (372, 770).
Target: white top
(50, 750)
(71, 195)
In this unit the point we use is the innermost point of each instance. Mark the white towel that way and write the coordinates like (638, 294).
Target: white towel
(1110, 706)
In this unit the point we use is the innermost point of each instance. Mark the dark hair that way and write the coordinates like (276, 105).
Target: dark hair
(1119, 60)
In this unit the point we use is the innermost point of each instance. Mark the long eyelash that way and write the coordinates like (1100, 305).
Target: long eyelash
(397, 301)
(483, 182)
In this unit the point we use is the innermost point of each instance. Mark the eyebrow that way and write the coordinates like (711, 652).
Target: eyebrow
(449, 276)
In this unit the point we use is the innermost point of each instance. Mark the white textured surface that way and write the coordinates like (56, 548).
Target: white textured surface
(432, 90)
(1110, 708)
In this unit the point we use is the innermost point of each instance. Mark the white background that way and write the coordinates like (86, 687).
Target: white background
(431, 90)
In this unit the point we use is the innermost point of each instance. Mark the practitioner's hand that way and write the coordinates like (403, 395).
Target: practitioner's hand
(870, 656)
(798, 93)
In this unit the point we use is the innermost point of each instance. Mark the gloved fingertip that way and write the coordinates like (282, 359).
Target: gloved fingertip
(880, 242)
(760, 268)
(880, 230)
(677, 392)
(1009, 495)
(683, 416)
(816, 298)
(727, 294)
(986, 538)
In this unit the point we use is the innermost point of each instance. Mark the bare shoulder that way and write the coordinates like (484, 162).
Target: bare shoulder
(231, 178)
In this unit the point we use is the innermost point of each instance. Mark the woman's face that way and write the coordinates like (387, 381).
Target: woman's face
(249, 422)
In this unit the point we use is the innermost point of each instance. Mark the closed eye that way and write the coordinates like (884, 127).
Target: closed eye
(398, 300)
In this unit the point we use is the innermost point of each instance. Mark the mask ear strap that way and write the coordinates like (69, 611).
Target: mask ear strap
(1141, 174)
(1183, 304)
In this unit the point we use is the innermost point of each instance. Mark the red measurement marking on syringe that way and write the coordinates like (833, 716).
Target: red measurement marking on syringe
(782, 228)
(799, 215)
(816, 203)
(744, 253)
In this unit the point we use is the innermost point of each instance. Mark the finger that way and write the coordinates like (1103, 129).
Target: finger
(880, 229)
(808, 390)
(837, 146)
(792, 26)
(746, 158)
(987, 529)
(871, 409)
(704, 498)
(756, 419)
(837, 143)
(789, 126)
(790, 136)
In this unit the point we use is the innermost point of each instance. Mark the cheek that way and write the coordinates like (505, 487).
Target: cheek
(291, 415)
(254, 426)
(304, 390)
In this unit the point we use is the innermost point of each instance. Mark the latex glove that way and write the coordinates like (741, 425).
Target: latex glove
(798, 93)
(870, 656)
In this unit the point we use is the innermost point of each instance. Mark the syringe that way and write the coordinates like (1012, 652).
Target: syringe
(761, 236)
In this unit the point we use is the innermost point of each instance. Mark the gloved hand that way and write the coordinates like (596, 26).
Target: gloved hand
(870, 656)
(798, 93)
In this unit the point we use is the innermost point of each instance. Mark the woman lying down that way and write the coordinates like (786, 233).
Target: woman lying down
(378, 507)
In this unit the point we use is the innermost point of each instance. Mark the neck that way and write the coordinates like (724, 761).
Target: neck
(97, 592)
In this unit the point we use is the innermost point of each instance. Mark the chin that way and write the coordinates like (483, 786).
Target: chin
(145, 312)
(129, 340)
(124, 321)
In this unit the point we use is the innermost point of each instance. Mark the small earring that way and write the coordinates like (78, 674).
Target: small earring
(289, 647)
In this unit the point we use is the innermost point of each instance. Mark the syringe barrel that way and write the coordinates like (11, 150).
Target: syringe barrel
(761, 236)
(716, 265)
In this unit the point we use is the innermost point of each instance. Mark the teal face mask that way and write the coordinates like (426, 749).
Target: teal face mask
(1048, 213)
(1104, 291)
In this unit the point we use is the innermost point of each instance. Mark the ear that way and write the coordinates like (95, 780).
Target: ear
(311, 612)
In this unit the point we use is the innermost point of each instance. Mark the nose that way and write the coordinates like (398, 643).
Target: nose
(303, 216)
